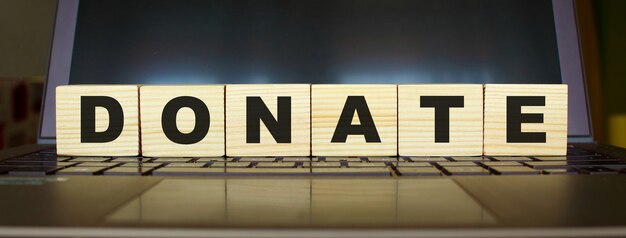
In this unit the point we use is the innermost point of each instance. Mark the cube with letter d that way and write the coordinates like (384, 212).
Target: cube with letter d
(97, 120)
(182, 120)
(268, 120)
(525, 119)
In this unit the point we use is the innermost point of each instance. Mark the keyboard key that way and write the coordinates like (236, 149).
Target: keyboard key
(511, 158)
(296, 159)
(237, 164)
(168, 171)
(466, 163)
(17, 163)
(551, 158)
(515, 170)
(268, 171)
(337, 159)
(35, 158)
(419, 171)
(209, 159)
(90, 159)
(382, 159)
(469, 158)
(32, 171)
(427, 159)
(63, 158)
(597, 170)
(97, 164)
(560, 164)
(366, 164)
(171, 160)
(466, 170)
(547, 164)
(66, 164)
(276, 164)
(351, 171)
(186, 165)
(129, 160)
(257, 159)
(128, 171)
(218, 164)
(561, 171)
(502, 163)
(326, 164)
(80, 170)
(413, 164)
(145, 165)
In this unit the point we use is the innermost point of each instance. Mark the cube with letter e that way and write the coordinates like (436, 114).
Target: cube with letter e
(525, 119)
(96, 120)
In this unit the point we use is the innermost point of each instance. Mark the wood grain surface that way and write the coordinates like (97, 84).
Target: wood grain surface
(68, 98)
(416, 124)
(554, 114)
(155, 143)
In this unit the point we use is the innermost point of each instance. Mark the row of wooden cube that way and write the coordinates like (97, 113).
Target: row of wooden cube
(404, 128)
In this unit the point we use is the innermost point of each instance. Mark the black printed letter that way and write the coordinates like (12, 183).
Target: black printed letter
(345, 127)
(442, 105)
(257, 111)
(168, 120)
(88, 106)
(515, 118)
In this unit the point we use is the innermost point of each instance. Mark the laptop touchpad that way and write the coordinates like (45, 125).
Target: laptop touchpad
(303, 202)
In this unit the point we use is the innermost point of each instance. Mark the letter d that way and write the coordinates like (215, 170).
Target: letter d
(88, 133)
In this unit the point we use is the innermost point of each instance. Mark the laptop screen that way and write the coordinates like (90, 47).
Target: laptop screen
(323, 41)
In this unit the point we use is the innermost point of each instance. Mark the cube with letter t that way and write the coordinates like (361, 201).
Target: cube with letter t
(525, 119)
(94, 120)
(440, 119)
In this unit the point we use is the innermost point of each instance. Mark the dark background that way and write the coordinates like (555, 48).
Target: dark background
(322, 41)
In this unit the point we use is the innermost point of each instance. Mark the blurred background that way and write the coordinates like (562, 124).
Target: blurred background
(26, 30)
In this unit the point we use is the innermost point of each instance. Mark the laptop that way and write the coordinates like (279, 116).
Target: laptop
(341, 42)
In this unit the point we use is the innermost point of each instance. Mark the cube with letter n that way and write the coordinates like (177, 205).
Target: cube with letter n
(525, 119)
(94, 120)
(268, 119)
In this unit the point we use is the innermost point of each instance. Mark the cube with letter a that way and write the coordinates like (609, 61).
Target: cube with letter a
(183, 120)
(354, 120)
(268, 120)
(525, 119)
(97, 120)
(440, 120)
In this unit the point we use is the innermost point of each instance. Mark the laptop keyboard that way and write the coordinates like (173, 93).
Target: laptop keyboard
(578, 161)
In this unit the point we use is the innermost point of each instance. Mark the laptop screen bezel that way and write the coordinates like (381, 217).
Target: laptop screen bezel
(572, 73)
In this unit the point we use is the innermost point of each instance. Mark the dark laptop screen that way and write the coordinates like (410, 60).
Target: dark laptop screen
(295, 41)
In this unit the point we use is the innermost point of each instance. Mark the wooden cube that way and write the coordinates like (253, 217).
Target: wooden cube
(279, 118)
(525, 119)
(105, 132)
(196, 128)
(354, 120)
(440, 120)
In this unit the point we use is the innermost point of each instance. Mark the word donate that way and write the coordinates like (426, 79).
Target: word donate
(318, 120)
